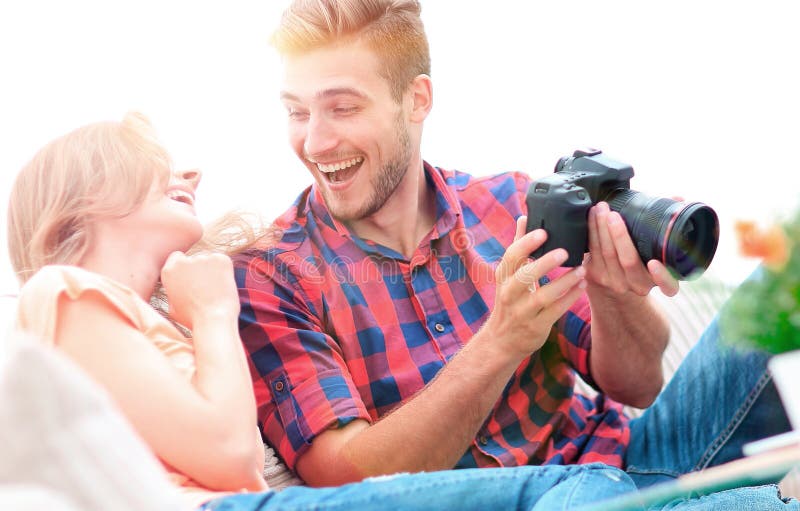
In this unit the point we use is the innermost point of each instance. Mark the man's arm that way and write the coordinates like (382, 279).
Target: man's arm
(432, 430)
(629, 334)
(428, 433)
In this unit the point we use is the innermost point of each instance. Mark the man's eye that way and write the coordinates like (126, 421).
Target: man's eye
(297, 115)
(345, 110)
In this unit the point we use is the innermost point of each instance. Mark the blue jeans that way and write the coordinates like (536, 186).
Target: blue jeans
(539, 488)
(721, 398)
(718, 400)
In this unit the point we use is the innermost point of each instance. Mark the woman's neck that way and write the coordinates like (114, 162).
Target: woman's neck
(133, 268)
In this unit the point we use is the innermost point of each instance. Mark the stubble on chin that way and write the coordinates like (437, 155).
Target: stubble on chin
(382, 185)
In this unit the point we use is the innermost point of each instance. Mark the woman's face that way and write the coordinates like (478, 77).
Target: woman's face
(166, 220)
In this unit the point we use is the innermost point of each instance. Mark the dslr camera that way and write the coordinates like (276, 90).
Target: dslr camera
(682, 236)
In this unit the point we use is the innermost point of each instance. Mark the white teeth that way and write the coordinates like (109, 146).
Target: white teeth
(333, 167)
(181, 196)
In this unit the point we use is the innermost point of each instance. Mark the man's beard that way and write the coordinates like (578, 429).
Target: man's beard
(384, 183)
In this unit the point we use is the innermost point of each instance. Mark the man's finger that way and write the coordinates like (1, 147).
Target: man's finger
(627, 255)
(608, 251)
(551, 292)
(594, 241)
(519, 252)
(662, 277)
(560, 306)
(522, 223)
(529, 274)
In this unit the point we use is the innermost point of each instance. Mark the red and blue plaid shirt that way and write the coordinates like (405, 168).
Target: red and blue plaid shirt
(339, 328)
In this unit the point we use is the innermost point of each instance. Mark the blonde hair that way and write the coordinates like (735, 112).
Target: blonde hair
(393, 29)
(236, 232)
(102, 169)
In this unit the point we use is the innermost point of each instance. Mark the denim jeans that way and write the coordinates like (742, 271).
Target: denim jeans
(539, 488)
(721, 398)
(718, 400)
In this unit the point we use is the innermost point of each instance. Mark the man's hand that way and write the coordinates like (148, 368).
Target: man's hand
(628, 333)
(613, 265)
(524, 313)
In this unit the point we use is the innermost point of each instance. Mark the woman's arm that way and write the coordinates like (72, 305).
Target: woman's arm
(205, 428)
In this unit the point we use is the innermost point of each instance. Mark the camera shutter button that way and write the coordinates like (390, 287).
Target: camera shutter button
(581, 194)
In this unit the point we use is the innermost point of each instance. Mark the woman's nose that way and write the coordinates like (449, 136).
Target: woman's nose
(191, 175)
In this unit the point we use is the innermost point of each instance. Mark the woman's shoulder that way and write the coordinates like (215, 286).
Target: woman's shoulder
(53, 287)
(55, 273)
(55, 279)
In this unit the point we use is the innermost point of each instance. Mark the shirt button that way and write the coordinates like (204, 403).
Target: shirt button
(482, 440)
(279, 386)
(439, 327)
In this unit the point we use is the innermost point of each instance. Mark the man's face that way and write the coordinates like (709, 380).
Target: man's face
(346, 127)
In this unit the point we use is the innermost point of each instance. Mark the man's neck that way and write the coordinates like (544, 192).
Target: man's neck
(405, 219)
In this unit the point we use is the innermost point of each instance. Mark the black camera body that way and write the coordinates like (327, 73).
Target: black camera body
(682, 236)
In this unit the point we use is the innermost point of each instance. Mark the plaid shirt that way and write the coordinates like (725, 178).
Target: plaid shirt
(339, 328)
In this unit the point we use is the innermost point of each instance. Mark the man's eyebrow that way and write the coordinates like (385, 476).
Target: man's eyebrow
(328, 93)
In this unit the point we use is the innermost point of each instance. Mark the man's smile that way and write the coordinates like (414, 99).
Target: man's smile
(340, 171)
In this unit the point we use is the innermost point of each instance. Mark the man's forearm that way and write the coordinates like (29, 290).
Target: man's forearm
(629, 336)
(434, 428)
(429, 432)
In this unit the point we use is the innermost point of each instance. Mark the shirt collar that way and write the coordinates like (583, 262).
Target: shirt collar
(448, 211)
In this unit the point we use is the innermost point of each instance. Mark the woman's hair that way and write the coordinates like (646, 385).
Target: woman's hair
(100, 170)
(393, 30)
(236, 232)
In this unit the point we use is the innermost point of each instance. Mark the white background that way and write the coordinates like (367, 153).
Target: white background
(700, 97)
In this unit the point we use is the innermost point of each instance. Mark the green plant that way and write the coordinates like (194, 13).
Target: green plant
(765, 310)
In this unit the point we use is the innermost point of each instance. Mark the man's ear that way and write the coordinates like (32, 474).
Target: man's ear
(421, 90)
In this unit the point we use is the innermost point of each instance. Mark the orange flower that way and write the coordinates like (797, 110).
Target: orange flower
(768, 244)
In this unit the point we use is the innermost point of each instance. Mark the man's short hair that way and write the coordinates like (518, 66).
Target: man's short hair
(393, 29)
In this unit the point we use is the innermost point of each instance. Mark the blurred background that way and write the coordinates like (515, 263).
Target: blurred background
(700, 97)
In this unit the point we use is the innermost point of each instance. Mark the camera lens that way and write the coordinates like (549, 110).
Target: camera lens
(682, 236)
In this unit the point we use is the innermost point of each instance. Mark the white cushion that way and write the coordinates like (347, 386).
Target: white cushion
(8, 311)
(29, 497)
(59, 431)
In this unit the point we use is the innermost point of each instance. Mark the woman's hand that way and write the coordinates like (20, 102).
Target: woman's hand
(199, 286)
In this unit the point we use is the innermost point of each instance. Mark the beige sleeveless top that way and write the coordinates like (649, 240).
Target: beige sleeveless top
(38, 313)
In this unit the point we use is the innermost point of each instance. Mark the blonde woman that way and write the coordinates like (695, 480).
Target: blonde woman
(97, 221)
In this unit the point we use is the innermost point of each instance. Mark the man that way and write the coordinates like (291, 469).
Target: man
(399, 325)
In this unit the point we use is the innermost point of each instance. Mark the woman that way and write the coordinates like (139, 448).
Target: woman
(97, 221)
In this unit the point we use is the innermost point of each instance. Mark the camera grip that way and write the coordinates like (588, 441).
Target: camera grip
(562, 211)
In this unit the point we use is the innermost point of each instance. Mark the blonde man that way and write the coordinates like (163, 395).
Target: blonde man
(399, 324)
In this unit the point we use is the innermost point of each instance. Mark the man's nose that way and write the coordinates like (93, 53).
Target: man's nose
(320, 137)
